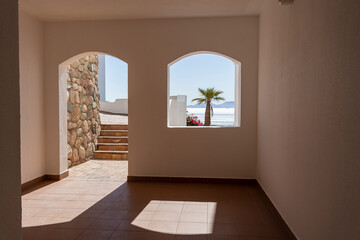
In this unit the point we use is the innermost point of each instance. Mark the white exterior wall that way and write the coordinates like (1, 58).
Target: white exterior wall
(119, 106)
(177, 111)
(101, 78)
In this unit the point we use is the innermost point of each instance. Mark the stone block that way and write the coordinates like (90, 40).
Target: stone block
(82, 153)
(76, 113)
(69, 152)
(75, 156)
(72, 137)
(70, 106)
(79, 132)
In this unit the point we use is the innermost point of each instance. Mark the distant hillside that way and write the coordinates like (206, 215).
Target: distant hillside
(229, 104)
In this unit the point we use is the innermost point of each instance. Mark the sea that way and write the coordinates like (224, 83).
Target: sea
(222, 116)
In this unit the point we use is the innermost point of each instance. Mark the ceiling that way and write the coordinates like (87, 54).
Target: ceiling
(71, 10)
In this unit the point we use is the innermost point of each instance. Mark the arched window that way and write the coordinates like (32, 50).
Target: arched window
(204, 91)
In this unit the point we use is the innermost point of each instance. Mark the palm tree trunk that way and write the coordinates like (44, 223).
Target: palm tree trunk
(207, 114)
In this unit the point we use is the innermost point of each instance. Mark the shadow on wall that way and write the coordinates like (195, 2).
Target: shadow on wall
(160, 211)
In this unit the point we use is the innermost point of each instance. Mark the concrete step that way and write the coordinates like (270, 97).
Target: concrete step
(113, 146)
(111, 155)
(114, 127)
(114, 133)
(113, 139)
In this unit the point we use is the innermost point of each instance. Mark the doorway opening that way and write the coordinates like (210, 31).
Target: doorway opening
(96, 118)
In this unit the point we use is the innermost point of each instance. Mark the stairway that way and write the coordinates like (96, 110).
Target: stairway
(112, 142)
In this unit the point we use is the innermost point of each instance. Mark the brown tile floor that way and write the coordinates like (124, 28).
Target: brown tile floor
(88, 207)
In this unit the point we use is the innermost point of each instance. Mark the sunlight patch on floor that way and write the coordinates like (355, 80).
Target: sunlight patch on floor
(177, 217)
(87, 187)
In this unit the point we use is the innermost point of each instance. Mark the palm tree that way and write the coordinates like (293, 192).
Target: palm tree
(208, 95)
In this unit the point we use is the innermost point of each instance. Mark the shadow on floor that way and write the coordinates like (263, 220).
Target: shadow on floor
(154, 210)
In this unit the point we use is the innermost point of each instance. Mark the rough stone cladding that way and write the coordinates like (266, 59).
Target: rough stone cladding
(83, 119)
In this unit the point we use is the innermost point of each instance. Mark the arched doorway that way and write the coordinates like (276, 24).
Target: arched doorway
(94, 127)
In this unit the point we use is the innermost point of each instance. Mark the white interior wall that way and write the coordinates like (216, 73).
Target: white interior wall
(32, 96)
(309, 111)
(228, 153)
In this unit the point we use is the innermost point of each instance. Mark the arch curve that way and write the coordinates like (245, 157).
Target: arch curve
(203, 52)
(72, 59)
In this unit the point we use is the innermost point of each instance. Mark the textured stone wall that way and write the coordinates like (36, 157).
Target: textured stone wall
(83, 109)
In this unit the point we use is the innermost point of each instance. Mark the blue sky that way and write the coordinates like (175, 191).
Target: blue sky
(202, 71)
(186, 76)
(116, 85)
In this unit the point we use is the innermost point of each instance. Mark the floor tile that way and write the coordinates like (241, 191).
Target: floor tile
(170, 207)
(194, 217)
(95, 235)
(114, 214)
(163, 226)
(53, 234)
(224, 237)
(166, 216)
(123, 235)
(191, 237)
(195, 208)
(133, 225)
(187, 228)
(105, 224)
